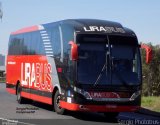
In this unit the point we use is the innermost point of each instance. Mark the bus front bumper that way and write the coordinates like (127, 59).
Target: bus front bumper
(97, 108)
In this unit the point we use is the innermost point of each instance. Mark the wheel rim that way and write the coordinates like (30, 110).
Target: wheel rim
(58, 101)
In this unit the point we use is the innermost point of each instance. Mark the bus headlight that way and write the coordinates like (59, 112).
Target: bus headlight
(135, 95)
(82, 92)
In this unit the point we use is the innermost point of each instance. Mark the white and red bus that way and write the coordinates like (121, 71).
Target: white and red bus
(78, 65)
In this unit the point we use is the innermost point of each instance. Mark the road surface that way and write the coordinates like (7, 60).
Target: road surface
(12, 113)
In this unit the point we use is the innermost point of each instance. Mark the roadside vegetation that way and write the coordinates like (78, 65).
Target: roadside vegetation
(2, 80)
(151, 103)
(151, 80)
(151, 73)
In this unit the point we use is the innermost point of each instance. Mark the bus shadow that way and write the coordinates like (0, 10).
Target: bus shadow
(148, 112)
(85, 116)
(42, 105)
(96, 117)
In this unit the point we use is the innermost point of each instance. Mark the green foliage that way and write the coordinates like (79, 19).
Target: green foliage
(151, 72)
(151, 102)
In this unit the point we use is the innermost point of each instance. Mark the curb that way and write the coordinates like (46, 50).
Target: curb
(145, 111)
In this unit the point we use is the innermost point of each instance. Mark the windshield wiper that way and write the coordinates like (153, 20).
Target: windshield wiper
(104, 67)
(99, 76)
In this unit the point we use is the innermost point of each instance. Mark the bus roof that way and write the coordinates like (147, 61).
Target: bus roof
(83, 26)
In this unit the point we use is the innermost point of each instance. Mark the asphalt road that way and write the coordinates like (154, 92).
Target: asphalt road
(12, 113)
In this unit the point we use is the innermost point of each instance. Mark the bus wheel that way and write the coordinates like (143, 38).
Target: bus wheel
(57, 107)
(20, 99)
(111, 115)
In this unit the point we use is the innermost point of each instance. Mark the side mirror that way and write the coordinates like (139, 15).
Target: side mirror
(74, 50)
(148, 52)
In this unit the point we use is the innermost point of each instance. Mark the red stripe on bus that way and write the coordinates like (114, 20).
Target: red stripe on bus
(24, 30)
(98, 108)
(37, 97)
(10, 90)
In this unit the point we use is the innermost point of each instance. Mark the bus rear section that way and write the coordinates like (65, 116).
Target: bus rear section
(78, 65)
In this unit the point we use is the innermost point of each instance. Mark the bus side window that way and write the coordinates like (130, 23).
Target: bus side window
(11, 45)
(31, 43)
(25, 45)
(56, 44)
(15, 45)
(68, 35)
(36, 44)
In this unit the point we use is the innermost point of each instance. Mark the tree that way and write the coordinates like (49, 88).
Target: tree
(151, 73)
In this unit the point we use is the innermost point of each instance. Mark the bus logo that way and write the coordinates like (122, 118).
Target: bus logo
(104, 95)
(36, 75)
(105, 29)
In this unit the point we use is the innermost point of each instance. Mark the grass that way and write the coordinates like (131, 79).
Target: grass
(2, 80)
(151, 102)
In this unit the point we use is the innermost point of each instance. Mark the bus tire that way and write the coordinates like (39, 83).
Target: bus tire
(56, 104)
(20, 99)
(111, 115)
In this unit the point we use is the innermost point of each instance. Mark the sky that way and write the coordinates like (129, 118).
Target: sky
(142, 16)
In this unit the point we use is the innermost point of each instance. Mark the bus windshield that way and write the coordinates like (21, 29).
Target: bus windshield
(108, 63)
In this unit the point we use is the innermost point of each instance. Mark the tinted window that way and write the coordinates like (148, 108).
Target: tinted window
(54, 35)
(102, 63)
(68, 35)
(26, 44)
(15, 45)
(36, 44)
